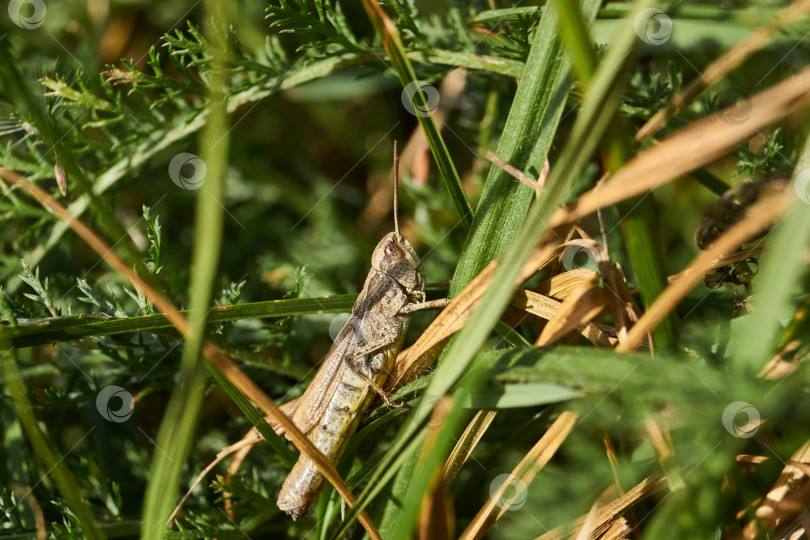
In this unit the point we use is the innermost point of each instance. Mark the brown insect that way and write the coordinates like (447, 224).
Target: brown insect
(359, 361)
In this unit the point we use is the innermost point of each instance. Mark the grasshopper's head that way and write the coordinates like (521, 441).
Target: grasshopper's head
(395, 256)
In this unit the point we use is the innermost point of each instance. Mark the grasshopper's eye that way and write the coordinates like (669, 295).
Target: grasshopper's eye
(392, 251)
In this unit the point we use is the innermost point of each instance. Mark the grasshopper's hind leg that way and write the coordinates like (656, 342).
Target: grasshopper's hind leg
(378, 346)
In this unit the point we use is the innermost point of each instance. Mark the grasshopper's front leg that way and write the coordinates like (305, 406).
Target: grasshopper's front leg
(432, 304)
(389, 338)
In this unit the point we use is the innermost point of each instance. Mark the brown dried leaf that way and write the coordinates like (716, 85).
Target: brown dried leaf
(618, 530)
(61, 178)
(560, 286)
(586, 302)
(546, 308)
(790, 493)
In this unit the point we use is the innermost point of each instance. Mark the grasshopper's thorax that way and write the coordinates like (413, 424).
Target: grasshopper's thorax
(395, 257)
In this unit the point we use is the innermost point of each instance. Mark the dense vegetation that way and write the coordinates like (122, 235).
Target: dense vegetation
(648, 189)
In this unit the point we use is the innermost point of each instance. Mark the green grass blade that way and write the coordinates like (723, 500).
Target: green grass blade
(177, 428)
(279, 444)
(577, 40)
(83, 326)
(396, 52)
(534, 116)
(68, 328)
(55, 466)
(429, 464)
(639, 230)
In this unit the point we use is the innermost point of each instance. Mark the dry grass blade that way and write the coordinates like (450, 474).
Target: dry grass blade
(415, 360)
(245, 442)
(724, 65)
(210, 350)
(781, 502)
(690, 148)
(782, 363)
(39, 518)
(525, 472)
(467, 443)
(726, 260)
(619, 530)
(759, 217)
(560, 286)
(748, 458)
(665, 452)
(620, 300)
(590, 522)
(586, 302)
(546, 308)
(613, 509)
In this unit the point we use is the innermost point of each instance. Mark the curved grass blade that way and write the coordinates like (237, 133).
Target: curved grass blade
(526, 470)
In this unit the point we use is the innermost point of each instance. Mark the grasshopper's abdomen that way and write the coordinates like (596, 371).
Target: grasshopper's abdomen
(330, 437)
(340, 420)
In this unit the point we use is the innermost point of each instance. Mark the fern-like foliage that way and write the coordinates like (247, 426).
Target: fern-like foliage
(768, 160)
(41, 294)
(327, 21)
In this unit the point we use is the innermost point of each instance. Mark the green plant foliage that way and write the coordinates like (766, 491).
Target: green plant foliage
(237, 156)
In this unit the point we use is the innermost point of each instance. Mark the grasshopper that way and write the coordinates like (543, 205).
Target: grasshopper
(361, 357)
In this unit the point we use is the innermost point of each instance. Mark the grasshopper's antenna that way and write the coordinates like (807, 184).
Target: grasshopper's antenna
(396, 191)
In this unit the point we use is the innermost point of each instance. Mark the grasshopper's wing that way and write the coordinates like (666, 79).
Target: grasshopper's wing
(318, 394)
